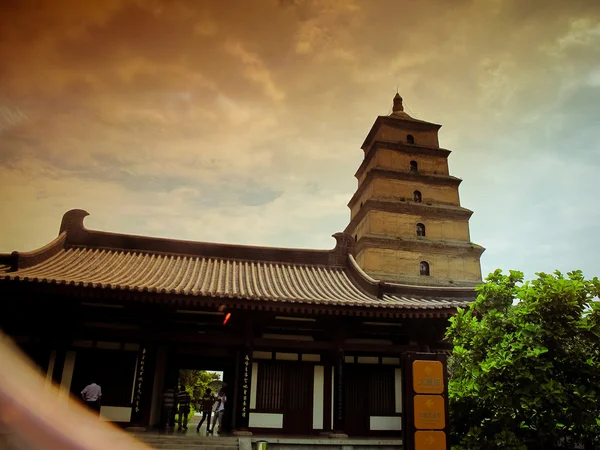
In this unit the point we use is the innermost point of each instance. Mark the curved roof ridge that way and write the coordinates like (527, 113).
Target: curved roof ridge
(22, 260)
(77, 235)
(361, 272)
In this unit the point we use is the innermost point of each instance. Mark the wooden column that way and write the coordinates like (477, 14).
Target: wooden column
(142, 398)
(242, 392)
(158, 386)
(338, 396)
(243, 381)
(59, 363)
(146, 367)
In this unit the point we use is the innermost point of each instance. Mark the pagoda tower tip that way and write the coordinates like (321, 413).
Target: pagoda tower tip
(398, 107)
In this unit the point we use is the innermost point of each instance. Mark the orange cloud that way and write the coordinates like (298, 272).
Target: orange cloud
(241, 121)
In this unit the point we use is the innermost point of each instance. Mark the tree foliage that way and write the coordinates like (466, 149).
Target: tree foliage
(525, 368)
(196, 381)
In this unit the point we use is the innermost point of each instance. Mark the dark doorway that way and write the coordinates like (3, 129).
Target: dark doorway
(198, 383)
(113, 370)
(369, 391)
(180, 369)
(356, 412)
(286, 387)
(299, 399)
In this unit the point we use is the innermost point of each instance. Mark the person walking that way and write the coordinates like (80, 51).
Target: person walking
(183, 399)
(221, 400)
(168, 406)
(91, 395)
(206, 404)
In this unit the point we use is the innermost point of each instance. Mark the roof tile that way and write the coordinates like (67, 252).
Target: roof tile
(212, 277)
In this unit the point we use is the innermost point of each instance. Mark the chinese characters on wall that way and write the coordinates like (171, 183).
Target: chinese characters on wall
(139, 380)
(245, 386)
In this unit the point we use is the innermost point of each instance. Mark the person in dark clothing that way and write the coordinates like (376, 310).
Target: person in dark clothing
(183, 399)
(169, 406)
(206, 405)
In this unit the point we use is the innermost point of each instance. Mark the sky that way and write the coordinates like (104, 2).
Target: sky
(241, 121)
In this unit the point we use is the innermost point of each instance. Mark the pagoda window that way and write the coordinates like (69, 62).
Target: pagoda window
(410, 139)
(417, 197)
(420, 229)
(414, 167)
(424, 268)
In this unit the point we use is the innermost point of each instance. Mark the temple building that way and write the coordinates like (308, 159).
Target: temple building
(309, 341)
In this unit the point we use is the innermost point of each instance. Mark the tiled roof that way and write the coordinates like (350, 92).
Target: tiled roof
(123, 263)
(212, 277)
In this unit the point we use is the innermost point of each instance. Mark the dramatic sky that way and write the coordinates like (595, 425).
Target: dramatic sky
(241, 121)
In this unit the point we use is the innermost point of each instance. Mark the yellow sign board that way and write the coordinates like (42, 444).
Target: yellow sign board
(428, 377)
(430, 440)
(429, 412)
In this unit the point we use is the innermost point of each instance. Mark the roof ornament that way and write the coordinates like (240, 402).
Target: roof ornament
(397, 104)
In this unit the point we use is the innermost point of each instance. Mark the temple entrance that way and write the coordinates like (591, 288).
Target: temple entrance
(198, 383)
(196, 371)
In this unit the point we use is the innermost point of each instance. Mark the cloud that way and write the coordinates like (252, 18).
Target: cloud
(254, 69)
(242, 121)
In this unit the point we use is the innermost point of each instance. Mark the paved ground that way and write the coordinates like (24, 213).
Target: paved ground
(193, 423)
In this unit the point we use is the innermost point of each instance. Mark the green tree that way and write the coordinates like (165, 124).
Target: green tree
(525, 367)
(196, 382)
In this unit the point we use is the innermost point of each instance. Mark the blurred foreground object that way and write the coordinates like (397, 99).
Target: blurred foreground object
(33, 416)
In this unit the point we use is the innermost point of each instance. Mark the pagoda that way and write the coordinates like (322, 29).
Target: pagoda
(406, 218)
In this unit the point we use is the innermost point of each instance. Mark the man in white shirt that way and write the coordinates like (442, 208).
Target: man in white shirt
(221, 399)
(91, 395)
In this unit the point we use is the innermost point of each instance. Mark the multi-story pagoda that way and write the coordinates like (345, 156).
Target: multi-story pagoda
(406, 216)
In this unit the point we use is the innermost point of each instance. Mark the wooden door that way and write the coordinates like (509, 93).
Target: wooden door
(369, 391)
(356, 400)
(298, 401)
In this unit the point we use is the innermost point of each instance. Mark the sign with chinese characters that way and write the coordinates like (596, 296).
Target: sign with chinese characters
(425, 401)
(139, 380)
(429, 412)
(243, 388)
(428, 377)
(246, 386)
(430, 440)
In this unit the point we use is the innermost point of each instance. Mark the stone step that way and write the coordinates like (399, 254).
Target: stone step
(166, 445)
(218, 441)
(187, 442)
